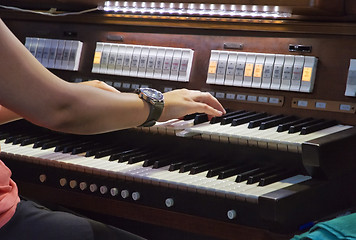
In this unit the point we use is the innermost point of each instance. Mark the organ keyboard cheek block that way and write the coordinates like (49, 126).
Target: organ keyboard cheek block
(282, 156)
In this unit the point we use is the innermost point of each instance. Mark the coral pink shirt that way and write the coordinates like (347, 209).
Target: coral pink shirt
(8, 195)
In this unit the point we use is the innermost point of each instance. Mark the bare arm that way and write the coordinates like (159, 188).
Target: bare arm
(7, 115)
(31, 91)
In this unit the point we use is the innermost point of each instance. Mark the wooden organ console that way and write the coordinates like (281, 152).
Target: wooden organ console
(282, 158)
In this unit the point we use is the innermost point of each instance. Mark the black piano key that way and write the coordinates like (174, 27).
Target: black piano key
(151, 160)
(189, 116)
(141, 157)
(83, 148)
(298, 127)
(54, 143)
(257, 122)
(69, 148)
(4, 135)
(127, 155)
(266, 180)
(188, 166)
(19, 140)
(95, 149)
(201, 118)
(205, 167)
(109, 150)
(60, 147)
(40, 143)
(218, 119)
(244, 175)
(247, 119)
(116, 156)
(317, 127)
(228, 119)
(177, 165)
(235, 170)
(167, 161)
(256, 177)
(276, 122)
(216, 171)
(11, 138)
(285, 126)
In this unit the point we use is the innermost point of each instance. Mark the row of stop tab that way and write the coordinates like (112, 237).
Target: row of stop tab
(165, 63)
(55, 53)
(259, 70)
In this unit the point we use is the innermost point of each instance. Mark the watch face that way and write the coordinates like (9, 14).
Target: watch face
(152, 93)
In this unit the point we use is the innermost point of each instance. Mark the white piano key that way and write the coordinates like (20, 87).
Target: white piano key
(136, 172)
(269, 138)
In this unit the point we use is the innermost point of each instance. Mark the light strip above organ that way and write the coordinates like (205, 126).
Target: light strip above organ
(195, 9)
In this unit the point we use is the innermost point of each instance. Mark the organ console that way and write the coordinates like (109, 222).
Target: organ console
(281, 158)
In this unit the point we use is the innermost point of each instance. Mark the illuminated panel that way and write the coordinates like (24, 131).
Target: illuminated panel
(195, 9)
(173, 64)
(258, 70)
(56, 54)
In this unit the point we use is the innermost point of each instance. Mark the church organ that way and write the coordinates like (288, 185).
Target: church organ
(281, 158)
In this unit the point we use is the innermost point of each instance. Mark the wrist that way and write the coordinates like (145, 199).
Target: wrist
(155, 101)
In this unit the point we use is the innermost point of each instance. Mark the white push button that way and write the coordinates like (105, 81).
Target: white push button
(93, 187)
(63, 182)
(169, 202)
(114, 192)
(125, 194)
(103, 189)
(83, 186)
(73, 184)
(42, 178)
(231, 214)
(136, 196)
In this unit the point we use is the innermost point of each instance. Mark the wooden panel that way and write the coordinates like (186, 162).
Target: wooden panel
(350, 7)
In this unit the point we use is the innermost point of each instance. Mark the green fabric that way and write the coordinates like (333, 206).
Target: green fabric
(336, 229)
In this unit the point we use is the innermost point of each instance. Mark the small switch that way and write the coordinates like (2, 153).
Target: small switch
(351, 80)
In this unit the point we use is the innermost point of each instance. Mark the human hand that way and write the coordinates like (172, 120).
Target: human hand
(179, 103)
(101, 85)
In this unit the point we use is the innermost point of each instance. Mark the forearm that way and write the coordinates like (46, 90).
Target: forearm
(89, 110)
(7, 115)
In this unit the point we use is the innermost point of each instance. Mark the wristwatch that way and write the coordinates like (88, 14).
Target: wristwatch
(156, 101)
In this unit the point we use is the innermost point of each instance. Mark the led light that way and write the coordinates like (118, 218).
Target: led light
(193, 9)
